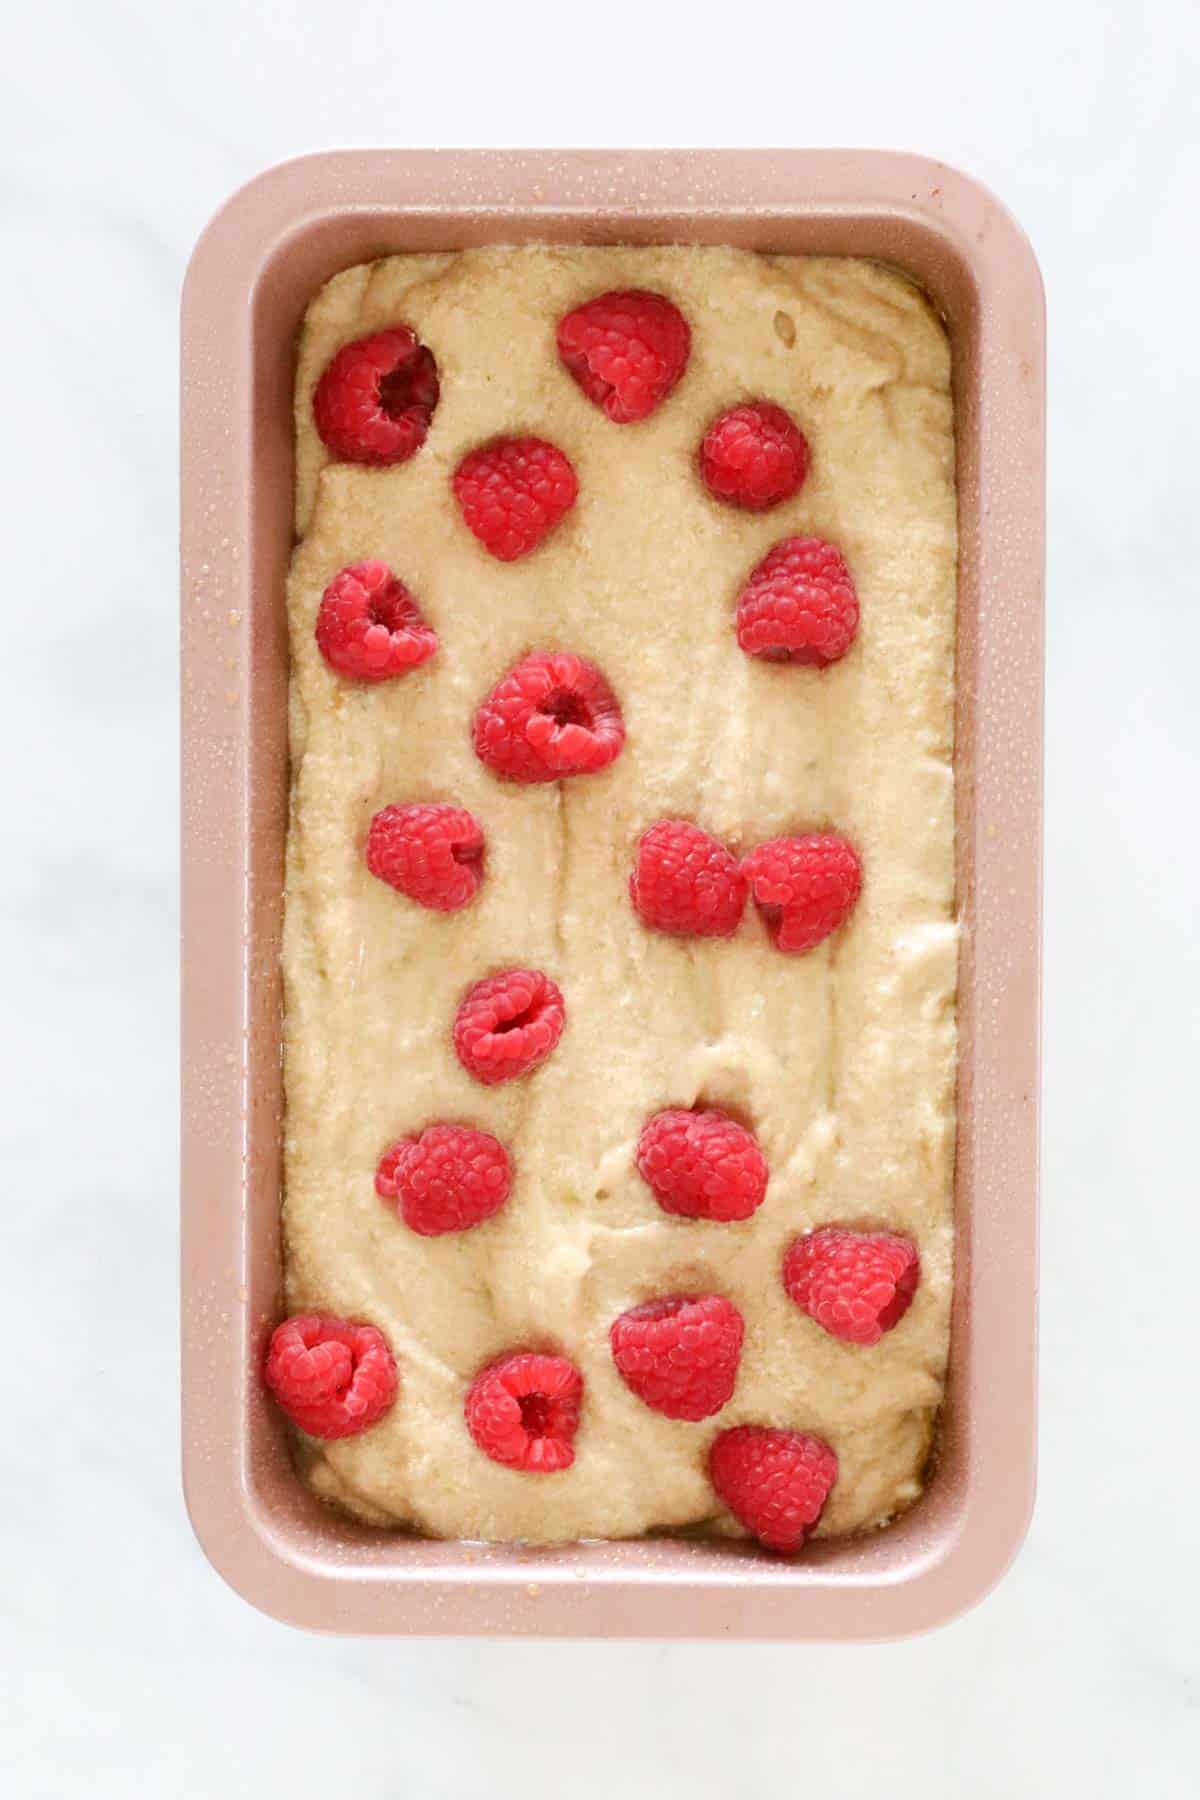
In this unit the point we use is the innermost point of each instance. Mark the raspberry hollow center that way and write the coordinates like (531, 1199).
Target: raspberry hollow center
(517, 1023)
(568, 708)
(411, 384)
(528, 1015)
(388, 609)
(538, 1415)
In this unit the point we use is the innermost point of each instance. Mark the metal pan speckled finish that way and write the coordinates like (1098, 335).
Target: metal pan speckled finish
(251, 276)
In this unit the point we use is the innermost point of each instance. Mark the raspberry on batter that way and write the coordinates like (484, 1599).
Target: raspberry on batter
(702, 1164)
(626, 350)
(754, 456)
(551, 716)
(523, 1411)
(804, 887)
(686, 882)
(856, 1284)
(449, 1178)
(332, 1377)
(680, 1354)
(513, 492)
(774, 1482)
(798, 605)
(369, 627)
(508, 1024)
(374, 402)
(431, 853)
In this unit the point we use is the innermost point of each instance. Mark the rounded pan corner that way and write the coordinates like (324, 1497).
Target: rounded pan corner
(248, 1557)
(944, 195)
(970, 1562)
(942, 191)
(1005, 230)
(229, 248)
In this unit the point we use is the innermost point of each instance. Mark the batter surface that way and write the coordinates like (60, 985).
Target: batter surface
(842, 1060)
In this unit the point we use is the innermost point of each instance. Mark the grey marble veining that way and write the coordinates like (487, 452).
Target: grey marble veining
(133, 1670)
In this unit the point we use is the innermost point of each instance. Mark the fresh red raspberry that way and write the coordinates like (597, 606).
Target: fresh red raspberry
(775, 1483)
(754, 456)
(374, 402)
(508, 1024)
(680, 1355)
(626, 350)
(447, 1179)
(799, 605)
(369, 627)
(686, 882)
(551, 715)
(857, 1284)
(331, 1377)
(523, 1411)
(804, 887)
(513, 491)
(434, 854)
(702, 1164)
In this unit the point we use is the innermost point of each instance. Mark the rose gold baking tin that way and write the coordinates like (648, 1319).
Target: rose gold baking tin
(253, 272)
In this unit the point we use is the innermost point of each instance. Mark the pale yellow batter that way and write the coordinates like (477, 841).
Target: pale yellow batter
(843, 1059)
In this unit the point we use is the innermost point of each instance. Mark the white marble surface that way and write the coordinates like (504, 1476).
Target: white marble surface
(134, 1671)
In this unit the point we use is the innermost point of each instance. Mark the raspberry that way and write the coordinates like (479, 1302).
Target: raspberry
(754, 456)
(331, 1377)
(804, 887)
(702, 1164)
(857, 1284)
(434, 854)
(369, 627)
(447, 1179)
(686, 882)
(523, 1411)
(374, 402)
(626, 350)
(551, 715)
(799, 605)
(508, 1024)
(512, 492)
(680, 1355)
(775, 1483)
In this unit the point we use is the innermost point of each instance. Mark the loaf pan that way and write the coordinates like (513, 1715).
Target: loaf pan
(251, 276)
